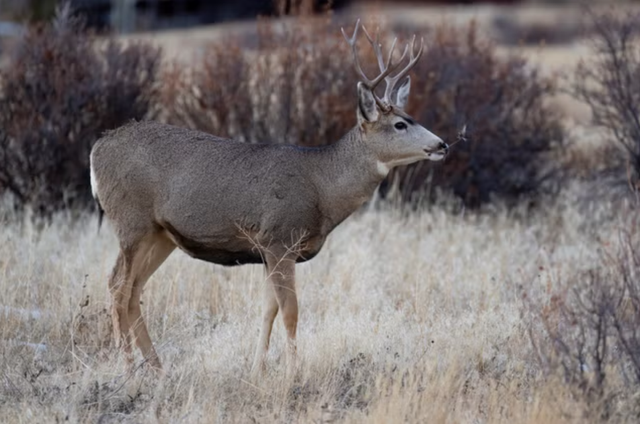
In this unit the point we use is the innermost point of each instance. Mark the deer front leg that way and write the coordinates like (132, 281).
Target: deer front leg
(281, 268)
(269, 312)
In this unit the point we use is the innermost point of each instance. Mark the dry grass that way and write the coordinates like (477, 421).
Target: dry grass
(404, 318)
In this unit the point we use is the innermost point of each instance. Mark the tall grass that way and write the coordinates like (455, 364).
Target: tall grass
(414, 318)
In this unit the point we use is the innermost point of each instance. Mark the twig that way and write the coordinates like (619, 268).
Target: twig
(462, 136)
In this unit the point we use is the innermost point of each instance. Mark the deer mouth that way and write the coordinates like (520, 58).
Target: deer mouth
(436, 155)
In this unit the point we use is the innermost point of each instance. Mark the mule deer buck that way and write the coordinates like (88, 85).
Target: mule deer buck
(233, 203)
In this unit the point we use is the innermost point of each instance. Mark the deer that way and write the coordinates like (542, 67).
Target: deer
(231, 203)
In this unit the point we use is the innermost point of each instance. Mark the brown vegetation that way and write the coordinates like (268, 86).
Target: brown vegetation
(584, 326)
(511, 131)
(60, 90)
(297, 86)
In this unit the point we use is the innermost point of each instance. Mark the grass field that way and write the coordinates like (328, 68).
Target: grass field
(404, 318)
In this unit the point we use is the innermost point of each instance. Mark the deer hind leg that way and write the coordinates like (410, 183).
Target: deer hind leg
(120, 288)
(269, 312)
(152, 252)
(281, 269)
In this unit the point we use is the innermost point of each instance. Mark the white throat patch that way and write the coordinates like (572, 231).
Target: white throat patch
(382, 168)
(94, 181)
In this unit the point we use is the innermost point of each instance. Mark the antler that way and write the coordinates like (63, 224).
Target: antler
(386, 68)
(413, 59)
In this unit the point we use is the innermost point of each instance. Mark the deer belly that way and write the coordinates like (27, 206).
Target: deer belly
(306, 256)
(218, 255)
(231, 249)
(215, 250)
(223, 257)
(310, 248)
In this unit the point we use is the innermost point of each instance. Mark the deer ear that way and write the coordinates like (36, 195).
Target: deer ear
(403, 93)
(367, 107)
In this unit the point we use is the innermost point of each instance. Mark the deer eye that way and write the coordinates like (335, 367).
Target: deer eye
(400, 126)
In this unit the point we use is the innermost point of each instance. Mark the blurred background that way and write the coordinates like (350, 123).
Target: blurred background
(530, 80)
(133, 15)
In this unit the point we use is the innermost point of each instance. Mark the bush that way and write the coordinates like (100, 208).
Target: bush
(461, 80)
(298, 86)
(609, 82)
(587, 327)
(61, 89)
(290, 89)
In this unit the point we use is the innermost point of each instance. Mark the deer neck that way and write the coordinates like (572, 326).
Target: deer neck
(347, 174)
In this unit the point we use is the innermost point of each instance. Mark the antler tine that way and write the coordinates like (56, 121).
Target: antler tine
(393, 47)
(413, 59)
(354, 51)
(377, 48)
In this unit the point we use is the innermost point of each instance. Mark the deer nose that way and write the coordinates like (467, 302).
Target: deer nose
(444, 146)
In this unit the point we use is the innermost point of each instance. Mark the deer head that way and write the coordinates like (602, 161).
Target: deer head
(391, 133)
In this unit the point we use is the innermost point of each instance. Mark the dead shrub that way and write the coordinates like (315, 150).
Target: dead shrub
(290, 89)
(298, 86)
(587, 328)
(609, 82)
(63, 86)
